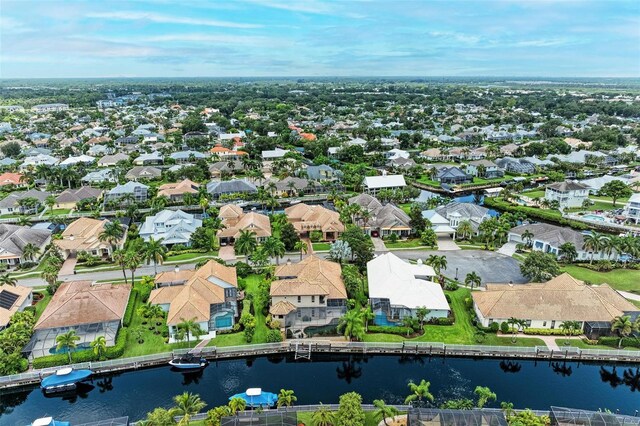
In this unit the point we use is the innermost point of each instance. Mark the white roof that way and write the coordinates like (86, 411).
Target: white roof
(254, 392)
(274, 153)
(385, 181)
(404, 284)
(635, 198)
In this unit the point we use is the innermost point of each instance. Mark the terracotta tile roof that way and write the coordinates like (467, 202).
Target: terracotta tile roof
(283, 307)
(11, 179)
(309, 218)
(562, 299)
(82, 235)
(178, 188)
(252, 221)
(182, 275)
(82, 302)
(311, 276)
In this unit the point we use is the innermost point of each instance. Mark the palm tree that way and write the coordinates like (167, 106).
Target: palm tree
(274, 247)
(204, 203)
(237, 404)
(6, 279)
(112, 233)
(367, 316)
(119, 257)
(624, 327)
(464, 229)
(472, 279)
(99, 345)
(246, 242)
(568, 251)
(132, 260)
(302, 247)
(322, 416)
(484, 395)
(568, 327)
(30, 251)
(418, 392)
(592, 243)
(515, 324)
(286, 398)
(67, 341)
(50, 201)
(23, 221)
(187, 405)
(384, 411)
(154, 250)
(528, 237)
(352, 325)
(191, 328)
(437, 262)
(421, 314)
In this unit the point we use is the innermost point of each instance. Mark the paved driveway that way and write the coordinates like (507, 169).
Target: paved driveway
(227, 253)
(447, 244)
(491, 266)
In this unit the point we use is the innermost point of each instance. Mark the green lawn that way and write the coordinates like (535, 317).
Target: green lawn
(321, 246)
(42, 304)
(620, 279)
(578, 343)
(58, 211)
(260, 335)
(304, 417)
(410, 243)
(533, 194)
(425, 180)
(190, 256)
(462, 332)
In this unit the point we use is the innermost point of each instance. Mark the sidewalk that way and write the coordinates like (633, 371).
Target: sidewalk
(508, 249)
(378, 245)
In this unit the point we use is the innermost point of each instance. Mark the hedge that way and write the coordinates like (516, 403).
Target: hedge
(550, 332)
(389, 329)
(186, 251)
(535, 213)
(88, 355)
(627, 342)
(128, 313)
(441, 321)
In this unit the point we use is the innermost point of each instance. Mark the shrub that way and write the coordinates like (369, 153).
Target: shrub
(117, 350)
(445, 321)
(243, 269)
(315, 236)
(504, 327)
(589, 341)
(128, 313)
(388, 329)
(494, 327)
(550, 332)
(63, 359)
(176, 250)
(274, 336)
(627, 342)
(468, 303)
(451, 286)
(446, 296)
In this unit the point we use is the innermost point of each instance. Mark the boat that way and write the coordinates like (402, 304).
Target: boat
(188, 362)
(48, 421)
(64, 379)
(256, 398)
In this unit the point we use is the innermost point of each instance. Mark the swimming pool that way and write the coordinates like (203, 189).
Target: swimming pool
(382, 320)
(594, 218)
(54, 350)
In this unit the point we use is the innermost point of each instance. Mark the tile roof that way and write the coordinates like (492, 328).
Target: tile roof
(22, 294)
(83, 234)
(307, 218)
(14, 238)
(311, 276)
(75, 195)
(178, 188)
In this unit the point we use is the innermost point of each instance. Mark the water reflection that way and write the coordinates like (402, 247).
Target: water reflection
(510, 366)
(9, 401)
(562, 369)
(610, 377)
(105, 384)
(71, 396)
(192, 377)
(632, 379)
(350, 369)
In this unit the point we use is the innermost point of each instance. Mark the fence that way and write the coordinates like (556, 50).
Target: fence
(305, 349)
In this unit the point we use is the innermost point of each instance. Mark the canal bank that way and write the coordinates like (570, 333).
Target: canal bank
(536, 384)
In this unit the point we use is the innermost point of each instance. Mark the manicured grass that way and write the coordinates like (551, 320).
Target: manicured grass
(533, 194)
(58, 211)
(42, 304)
(425, 180)
(462, 332)
(578, 343)
(191, 256)
(410, 243)
(231, 339)
(620, 279)
(321, 246)
(260, 335)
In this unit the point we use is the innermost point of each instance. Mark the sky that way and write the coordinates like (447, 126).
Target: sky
(251, 38)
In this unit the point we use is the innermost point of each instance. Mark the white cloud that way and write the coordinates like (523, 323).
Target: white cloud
(167, 19)
(217, 39)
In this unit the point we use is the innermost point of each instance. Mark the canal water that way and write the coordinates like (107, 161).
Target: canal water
(526, 383)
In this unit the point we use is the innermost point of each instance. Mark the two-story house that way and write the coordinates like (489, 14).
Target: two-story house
(129, 192)
(632, 209)
(310, 292)
(173, 227)
(484, 169)
(568, 194)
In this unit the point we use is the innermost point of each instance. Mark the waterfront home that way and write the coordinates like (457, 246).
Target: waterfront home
(175, 192)
(13, 240)
(234, 220)
(456, 213)
(322, 172)
(235, 186)
(307, 219)
(88, 308)
(548, 305)
(209, 296)
(568, 194)
(291, 186)
(23, 202)
(484, 169)
(15, 179)
(373, 184)
(99, 176)
(70, 197)
(632, 208)
(140, 173)
(83, 234)
(13, 299)
(452, 176)
(439, 224)
(127, 193)
(516, 165)
(220, 168)
(383, 220)
(548, 238)
(170, 226)
(310, 292)
(398, 288)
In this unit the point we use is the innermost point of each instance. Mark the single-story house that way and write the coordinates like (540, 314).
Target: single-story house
(143, 172)
(11, 203)
(83, 234)
(398, 288)
(15, 179)
(452, 176)
(306, 219)
(175, 191)
(137, 191)
(112, 160)
(14, 238)
(548, 305)
(147, 159)
(373, 184)
(105, 175)
(13, 299)
(69, 197)
(235, 186)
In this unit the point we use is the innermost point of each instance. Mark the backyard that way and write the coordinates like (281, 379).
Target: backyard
(462, 332)
(620, 279)
(408, 243)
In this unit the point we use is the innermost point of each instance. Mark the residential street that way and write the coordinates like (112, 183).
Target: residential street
(491, 266)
